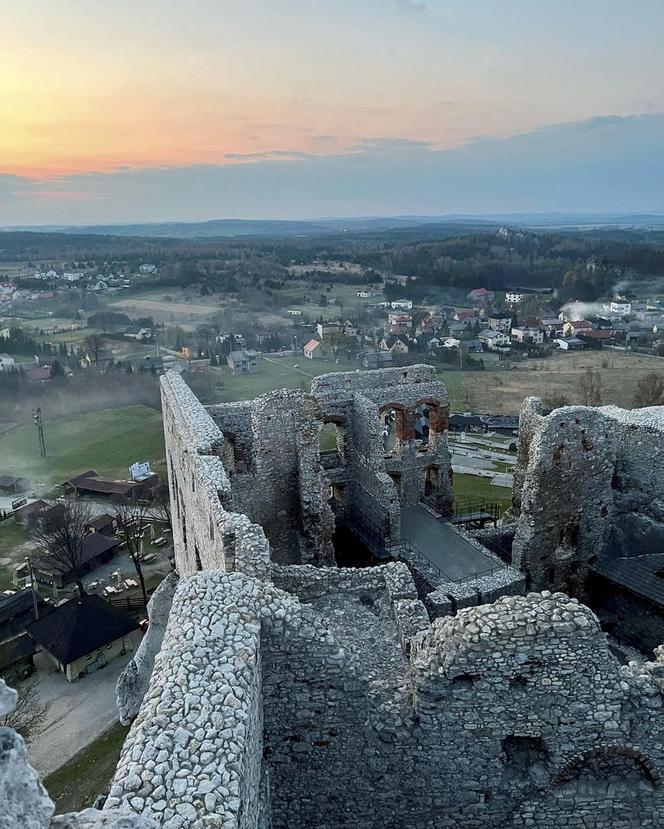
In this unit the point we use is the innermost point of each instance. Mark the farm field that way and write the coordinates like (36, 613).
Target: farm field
(502, 392)
(180, 310)
(107, 441)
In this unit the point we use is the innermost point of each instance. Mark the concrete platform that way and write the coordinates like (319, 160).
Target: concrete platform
(445, 548)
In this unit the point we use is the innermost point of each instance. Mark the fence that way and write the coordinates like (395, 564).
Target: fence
(414, 553)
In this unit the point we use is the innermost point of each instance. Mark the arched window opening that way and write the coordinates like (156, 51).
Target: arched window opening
(332, 443)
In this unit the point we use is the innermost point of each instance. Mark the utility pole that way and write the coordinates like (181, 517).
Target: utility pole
(35, 606)
(37, 420)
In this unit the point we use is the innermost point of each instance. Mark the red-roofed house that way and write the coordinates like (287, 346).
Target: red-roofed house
(573, 329)
(313, 350)
(481, 295)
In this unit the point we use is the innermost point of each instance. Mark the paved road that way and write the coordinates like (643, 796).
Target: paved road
(442, 545)
(79, 712)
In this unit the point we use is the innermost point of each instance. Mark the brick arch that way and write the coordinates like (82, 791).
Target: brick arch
(575, 765)
(405, 424)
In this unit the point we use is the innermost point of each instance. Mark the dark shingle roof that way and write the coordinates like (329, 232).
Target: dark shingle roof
(80, 626)
(642, 575)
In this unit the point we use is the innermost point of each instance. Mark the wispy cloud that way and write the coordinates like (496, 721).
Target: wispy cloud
(269, 155)
(410, 5)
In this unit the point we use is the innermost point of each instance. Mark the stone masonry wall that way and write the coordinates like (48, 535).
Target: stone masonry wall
(589, 483)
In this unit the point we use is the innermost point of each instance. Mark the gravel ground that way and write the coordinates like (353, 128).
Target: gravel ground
(79, 712)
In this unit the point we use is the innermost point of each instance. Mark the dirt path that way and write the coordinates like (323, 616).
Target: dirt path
(79, 712)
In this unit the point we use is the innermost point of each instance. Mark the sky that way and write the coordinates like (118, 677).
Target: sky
(137, 110)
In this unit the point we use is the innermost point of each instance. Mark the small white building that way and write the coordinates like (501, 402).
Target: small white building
(569, 343)
(70, 276)
(513, 297)
(402, 304)
(7, 362)
(147, 268)
(620, 307)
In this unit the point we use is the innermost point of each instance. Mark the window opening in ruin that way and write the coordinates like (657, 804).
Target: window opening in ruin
(211, 530)
(422, 425)
(525, 757)
(332, 444)
(229, 455)
(199, 565)
(392, 425)
(462, 681)
(396, 480)
(432, 480)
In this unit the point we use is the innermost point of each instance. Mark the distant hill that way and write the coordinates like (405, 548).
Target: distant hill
(460, 223)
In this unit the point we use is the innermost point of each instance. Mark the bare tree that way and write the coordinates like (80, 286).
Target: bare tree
(94, 343)
(162, 504)
(649, 391)
(590, 388)
(61, 541)
(131, 519)
(555, 400)
(29, 715)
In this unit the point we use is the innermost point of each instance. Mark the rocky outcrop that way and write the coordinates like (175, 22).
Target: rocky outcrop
(134, 680)
(24, 802)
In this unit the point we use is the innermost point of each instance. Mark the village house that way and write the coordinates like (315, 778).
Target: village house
(242, 362)
(375, 358)
(394, 344)
(465, 314)
(551, 325)
(500, 321)
(576, 327)
(147, 268)
(12, 485)
(402, 305)
(82, 635)
(494, 340)
(514, 296)
(7, 362)
(399, 323)
(569, 343)
(620, 307)
(136, 332)
(481, 295)
(96, 549)
(313, 350)
(528, 335)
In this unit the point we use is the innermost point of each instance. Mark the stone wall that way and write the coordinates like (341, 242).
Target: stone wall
(207, 532)
(589, 483)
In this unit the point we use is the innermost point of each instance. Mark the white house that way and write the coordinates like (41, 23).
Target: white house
(147, 268)
(494, 340)
(535, 336)
(6, 362)
(366, 294)
(620, 307)
(72, 277)
(569, 343)
(294, 312)
(313, 350)
(514, 297)
(402, 304)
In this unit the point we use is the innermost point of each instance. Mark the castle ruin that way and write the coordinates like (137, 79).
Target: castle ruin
(275, 688)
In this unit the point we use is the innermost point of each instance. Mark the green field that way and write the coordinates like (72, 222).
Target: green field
(473, 488)
(75, 785)
(276, 373)
(453, 382)
(107, 441)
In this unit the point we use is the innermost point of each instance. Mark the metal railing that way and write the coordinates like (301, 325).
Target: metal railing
(417, 554)
(466, 512)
